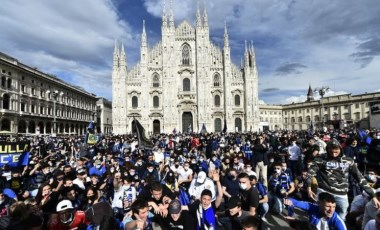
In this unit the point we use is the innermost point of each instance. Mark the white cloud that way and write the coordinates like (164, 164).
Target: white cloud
(76, 38)
(73, 38)
(303, 98)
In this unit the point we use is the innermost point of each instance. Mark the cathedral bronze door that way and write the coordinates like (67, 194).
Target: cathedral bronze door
(187, 122)
(156, 127)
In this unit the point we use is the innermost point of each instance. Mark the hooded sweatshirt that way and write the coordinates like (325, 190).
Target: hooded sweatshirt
(332, 173)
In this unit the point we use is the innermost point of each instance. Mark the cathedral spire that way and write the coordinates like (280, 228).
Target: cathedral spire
(226, 41)
(198, 16)
(205, 17)
(116, 56)
(171, 16)
(246, 54)
(164, 18)
(310, 94)
(123, 59)
(143, 36)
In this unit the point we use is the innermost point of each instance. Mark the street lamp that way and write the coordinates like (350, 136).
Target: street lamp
(322, 91)
(54, 94)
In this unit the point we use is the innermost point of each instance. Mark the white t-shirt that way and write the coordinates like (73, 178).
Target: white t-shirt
(183, 174)
(158, 156)
(117, 199)
(79, 183)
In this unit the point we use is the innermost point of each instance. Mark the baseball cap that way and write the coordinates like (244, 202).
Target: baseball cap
(201, 177)
(174, 207)
(233, 202)
(64, 205)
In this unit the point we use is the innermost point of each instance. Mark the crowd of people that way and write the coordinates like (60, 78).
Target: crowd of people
(195, 181)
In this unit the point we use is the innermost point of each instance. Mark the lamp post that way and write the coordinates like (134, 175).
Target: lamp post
(322, 91)
(55, 94)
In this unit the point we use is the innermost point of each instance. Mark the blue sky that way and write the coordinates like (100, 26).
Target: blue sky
(297, 42)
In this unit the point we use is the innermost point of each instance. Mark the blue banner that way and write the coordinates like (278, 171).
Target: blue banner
(10, 153)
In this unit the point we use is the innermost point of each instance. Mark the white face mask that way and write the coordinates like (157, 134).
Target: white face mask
(372, 178)
(278, 171)
(98, 166)
(150, 170)
(243, 186)
(248, 169)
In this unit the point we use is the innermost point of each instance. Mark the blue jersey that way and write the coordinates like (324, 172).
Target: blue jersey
(335, 222)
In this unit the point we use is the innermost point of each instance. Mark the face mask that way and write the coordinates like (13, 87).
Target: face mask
(193, 162)
(98, 166)
(186, 168)
(248, 169)
(150, 170)
(214, 158)
(112, 170)
(201, 159)
(243, 186)
(377, 137)
(283, 168)
(372, 178)
(271, 160)
(278, 171)
(132, 173)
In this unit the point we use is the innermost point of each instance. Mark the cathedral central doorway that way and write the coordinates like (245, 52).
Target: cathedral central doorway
(187, 122)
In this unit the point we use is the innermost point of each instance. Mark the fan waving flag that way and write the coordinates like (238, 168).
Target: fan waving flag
(91, 138)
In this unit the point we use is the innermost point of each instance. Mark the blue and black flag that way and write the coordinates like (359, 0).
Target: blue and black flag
(225, 126)
(140, 131)
(203, 130)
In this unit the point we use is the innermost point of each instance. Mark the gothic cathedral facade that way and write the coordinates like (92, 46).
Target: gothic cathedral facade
(184, 82)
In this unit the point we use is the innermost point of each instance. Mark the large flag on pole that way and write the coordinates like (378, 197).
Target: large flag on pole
(140, 131)
(225, 126)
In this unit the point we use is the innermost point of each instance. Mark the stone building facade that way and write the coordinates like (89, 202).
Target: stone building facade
(185, 81)
(339, 111)
(104, 115)
(33, 102)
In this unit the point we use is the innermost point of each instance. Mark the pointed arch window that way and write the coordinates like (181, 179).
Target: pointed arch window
(156, 80)
(135, 102)
(217, 80)
(186, 57)
(186, 84)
